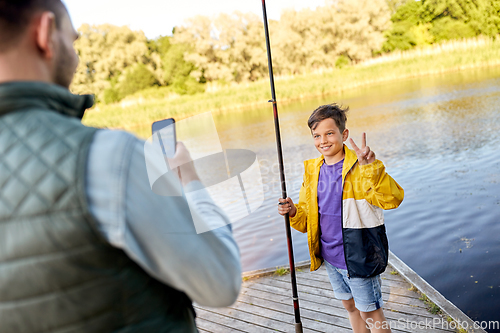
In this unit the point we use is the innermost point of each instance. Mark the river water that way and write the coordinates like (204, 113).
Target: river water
(438, 137)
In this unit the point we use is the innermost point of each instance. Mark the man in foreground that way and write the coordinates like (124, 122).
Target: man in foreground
(85, 245)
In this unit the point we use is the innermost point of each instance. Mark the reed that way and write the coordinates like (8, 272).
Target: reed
(434, 49)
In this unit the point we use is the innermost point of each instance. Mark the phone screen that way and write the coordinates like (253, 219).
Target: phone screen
(164, 132)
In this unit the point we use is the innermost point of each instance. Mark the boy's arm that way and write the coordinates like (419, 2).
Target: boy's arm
(299, 220)
(379, 188)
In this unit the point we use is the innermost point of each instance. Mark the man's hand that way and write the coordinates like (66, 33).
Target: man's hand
(184, 163)
(286, 206)
(365, 155)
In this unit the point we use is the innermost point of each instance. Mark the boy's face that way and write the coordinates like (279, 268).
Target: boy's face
(329, 140)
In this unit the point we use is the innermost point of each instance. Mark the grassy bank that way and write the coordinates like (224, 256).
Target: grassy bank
(136, 114)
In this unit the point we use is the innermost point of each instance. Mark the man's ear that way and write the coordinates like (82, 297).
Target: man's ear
(44, 34)
(345, 134)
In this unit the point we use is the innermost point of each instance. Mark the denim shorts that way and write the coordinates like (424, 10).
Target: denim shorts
(367, 292)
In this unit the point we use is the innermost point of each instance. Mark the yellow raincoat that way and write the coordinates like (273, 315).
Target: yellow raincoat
(367, 191)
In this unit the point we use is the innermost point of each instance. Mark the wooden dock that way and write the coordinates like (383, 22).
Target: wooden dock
(265, 304)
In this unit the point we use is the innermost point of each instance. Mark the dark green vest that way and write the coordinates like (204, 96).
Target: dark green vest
(57, 273)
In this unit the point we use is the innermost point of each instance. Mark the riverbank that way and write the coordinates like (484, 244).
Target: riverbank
(136, 114)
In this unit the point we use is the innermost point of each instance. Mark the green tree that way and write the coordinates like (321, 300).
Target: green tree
(393, 5)
(340, 33)
(174, 65)
(305, 40)
(422, 22)
(231, 48)
(401, 35)
(360, 27)
(160, 45)
(175, 71)
(133, 79)
(136, 78)
(226, 48)
(105, 51)
(349, 30)
(157, 48)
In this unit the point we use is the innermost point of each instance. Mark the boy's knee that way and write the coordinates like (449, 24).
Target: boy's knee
(365, 315)
(349, 305)
(376, 315)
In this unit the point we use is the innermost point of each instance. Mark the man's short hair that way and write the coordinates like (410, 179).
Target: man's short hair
(334, 111)
(15, 16)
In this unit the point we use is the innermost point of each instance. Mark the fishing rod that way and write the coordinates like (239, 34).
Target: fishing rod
(298, 324)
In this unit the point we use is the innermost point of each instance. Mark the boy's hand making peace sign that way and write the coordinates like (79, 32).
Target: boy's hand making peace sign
(365, 155)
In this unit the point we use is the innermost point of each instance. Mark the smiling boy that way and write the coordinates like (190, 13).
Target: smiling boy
(341, 207)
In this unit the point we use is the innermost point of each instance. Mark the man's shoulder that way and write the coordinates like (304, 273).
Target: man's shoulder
(115, 135)
(111, 142)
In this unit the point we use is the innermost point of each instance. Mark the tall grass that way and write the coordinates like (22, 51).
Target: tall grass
(435, 49)
(136, 114)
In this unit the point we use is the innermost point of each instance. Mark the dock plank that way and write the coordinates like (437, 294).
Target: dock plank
(331, 306)
(329, 316)
(285, 315)
(326, 290)
(265, 305)
(318, 303)
(321, 276)
(387, 287)
(335, 318)
(211, 327)
(327, 295)
(239, 321)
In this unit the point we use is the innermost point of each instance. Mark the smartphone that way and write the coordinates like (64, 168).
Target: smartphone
(164, 132)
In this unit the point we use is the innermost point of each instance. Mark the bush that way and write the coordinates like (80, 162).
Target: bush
(446, 28)
(111, 95)
(419, 23)
(187, 85)
(342, 61)
(135, 78)
(174, 65)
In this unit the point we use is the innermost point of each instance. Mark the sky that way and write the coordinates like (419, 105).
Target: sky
(156, 17)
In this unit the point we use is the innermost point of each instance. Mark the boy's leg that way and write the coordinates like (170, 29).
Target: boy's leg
(357, 323)
(376, 321)
(367, 296)
(343, 292)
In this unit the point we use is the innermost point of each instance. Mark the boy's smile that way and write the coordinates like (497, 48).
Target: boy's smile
(329, 141)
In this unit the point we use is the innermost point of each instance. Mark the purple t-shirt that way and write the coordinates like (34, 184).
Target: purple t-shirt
(330, 218)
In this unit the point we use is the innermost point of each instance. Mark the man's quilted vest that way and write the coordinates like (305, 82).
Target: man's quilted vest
(57, 273)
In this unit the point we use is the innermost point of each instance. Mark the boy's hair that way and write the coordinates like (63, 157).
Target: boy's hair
(15, 16)
(334, 111)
